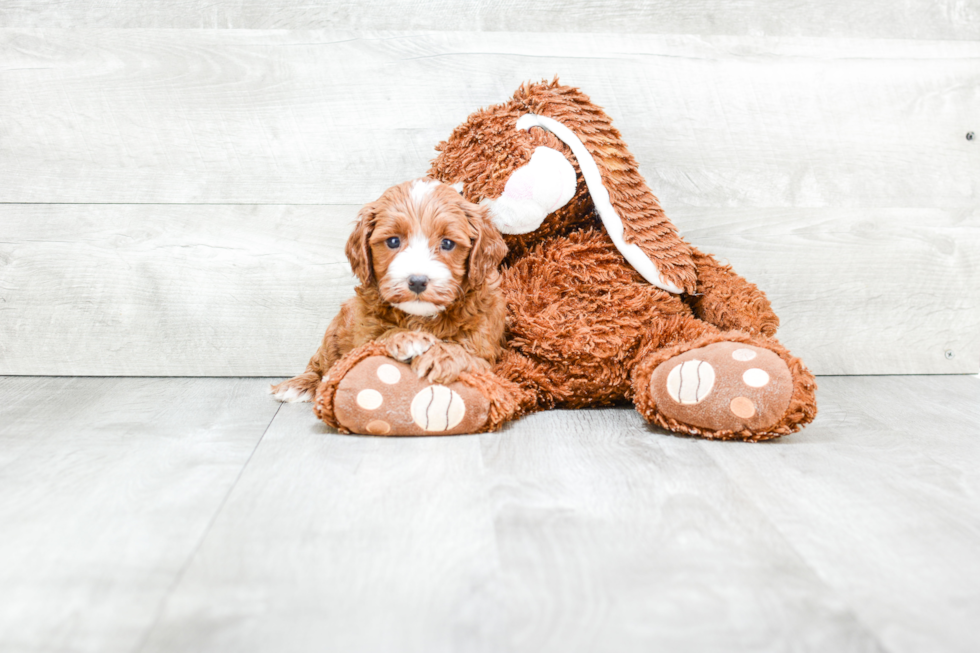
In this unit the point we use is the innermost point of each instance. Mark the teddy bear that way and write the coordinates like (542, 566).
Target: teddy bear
(606, 303)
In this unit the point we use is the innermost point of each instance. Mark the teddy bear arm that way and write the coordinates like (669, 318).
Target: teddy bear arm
(728, 301)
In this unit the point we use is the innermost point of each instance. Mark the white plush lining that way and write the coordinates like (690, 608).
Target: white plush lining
(600, 197)
(540, 187)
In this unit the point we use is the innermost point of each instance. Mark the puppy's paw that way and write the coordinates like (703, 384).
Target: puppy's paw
(444, 363)
(407, 345)
(296, 389)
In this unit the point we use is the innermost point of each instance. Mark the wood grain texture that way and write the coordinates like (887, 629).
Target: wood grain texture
(175, 290)
(880, 496)
(888, 291)
(947, 19)
(125, 529)
(106, 488)
(230, 116)
(339, 543)
(615, 536)
(249, 290)
(568, 532)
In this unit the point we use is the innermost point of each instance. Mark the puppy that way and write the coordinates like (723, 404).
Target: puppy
(427, 261)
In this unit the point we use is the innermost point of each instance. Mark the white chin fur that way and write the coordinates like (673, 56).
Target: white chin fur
(416, 307)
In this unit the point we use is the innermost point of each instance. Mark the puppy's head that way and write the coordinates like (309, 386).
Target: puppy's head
(424, 246)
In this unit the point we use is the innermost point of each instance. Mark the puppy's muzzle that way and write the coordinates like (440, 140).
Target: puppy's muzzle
(418, 283)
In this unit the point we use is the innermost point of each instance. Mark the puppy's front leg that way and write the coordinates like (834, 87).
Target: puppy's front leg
(406, 345)
(444, 361)
(337, 341)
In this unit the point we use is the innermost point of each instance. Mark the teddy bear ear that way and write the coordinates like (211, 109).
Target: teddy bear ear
(628, 209)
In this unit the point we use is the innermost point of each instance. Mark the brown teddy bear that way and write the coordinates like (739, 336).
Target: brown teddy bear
(606, 303)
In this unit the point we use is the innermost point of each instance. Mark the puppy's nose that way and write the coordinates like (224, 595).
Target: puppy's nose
(417, 283)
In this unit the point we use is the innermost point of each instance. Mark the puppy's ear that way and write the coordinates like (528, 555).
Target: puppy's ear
(488, 248)
(359, 246)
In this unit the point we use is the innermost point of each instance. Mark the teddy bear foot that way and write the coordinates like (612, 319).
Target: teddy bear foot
(382, 396)
(730, 390)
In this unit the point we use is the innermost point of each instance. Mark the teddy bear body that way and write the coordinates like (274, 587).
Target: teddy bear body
(606, 302)
(578, 315)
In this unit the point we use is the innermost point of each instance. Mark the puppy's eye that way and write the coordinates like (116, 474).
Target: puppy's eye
(393, 242)
(447, 245)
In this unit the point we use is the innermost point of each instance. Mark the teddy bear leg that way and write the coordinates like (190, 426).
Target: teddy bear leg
(369, 393)
(540, 387)
(729, 385)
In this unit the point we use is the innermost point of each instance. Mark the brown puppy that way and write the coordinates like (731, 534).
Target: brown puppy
(427, 261)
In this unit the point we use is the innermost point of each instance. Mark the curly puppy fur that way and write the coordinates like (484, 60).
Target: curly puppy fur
(427, 261)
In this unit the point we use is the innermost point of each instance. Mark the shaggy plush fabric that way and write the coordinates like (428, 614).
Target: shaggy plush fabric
(584, 327)
(606, 303)
(484, 152)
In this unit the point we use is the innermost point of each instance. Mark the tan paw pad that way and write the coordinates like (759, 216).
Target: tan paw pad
(724, 386)
(382, 396)
(743, 354)
(378, 427)
(755, 377)
(369, 399)
(389, 374)
(437, 408)
(691, 381)
(743, 407)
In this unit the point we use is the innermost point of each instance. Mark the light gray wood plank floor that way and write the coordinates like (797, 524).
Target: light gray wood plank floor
(107, 486)
(199, 515)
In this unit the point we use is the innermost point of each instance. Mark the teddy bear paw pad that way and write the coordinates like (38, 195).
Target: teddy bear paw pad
(725, 386)
(382, 396)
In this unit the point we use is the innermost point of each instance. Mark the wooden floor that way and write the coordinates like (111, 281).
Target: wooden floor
(199, 515)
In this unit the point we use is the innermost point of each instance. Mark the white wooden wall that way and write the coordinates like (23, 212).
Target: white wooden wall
(174, 201)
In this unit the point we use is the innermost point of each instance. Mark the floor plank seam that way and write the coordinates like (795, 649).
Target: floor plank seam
(869, 631)
(204, 535)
